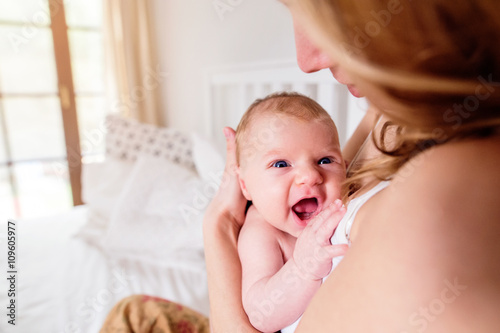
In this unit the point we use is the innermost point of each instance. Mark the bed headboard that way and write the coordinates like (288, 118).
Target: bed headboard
(230, 90)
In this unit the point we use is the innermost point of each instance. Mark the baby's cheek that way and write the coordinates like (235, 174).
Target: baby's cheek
(334, 188)
(274, 203)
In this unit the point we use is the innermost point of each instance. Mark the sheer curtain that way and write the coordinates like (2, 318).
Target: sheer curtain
(133, 72)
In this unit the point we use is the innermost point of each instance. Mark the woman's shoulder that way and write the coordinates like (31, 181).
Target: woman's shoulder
(453, 157)
(465, 171)
(442, 185)
(450, 191)
(426, 253)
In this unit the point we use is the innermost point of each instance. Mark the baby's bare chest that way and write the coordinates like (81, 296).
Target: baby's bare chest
(287, 245)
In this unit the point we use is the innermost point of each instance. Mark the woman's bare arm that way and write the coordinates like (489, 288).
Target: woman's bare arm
(355, 142)
(221, 226)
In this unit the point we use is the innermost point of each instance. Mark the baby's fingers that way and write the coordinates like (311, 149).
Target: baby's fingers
(325, 215)
(331, 251)
(325, 228)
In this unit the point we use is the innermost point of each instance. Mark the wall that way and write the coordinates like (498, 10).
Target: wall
(195, 35)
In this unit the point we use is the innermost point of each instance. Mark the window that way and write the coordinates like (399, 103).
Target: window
(51, 65)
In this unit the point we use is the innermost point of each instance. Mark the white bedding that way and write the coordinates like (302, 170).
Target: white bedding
(138, 233)
(66, 284)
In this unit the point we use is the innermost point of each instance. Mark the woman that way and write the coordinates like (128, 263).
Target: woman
(425, 250)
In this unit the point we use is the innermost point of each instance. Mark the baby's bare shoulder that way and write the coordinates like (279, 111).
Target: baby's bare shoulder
(256, 229)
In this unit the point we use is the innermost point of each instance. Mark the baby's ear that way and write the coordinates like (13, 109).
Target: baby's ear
(243, 186)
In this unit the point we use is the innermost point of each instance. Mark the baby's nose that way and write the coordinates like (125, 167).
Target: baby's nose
(308, 176)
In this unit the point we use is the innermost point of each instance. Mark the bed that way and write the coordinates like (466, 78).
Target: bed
(140, 228)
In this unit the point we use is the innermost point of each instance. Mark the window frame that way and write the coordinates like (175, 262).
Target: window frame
(67, 99)
(66, 96)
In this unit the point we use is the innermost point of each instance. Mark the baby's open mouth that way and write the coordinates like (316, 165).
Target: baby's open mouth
(306, 208)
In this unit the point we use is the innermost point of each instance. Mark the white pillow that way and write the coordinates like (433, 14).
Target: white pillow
(159, 213)
(208, 160)
(101, 187)
(102, 183)
(126, 139)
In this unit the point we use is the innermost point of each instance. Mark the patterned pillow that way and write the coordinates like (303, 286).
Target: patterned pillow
(126, 139)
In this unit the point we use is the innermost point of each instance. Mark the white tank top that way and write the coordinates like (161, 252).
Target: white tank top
(343, 231)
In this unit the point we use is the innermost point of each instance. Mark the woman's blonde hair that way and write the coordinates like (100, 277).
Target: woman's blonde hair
(434, 66)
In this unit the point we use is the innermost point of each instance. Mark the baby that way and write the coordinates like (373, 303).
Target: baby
(290, 168)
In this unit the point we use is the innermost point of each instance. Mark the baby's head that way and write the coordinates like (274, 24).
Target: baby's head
(276, 108)
(289, 159)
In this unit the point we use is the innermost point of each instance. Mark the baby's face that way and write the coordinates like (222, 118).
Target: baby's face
(291, 170)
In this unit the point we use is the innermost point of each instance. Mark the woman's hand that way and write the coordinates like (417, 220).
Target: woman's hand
(229, 201)
(221, 226)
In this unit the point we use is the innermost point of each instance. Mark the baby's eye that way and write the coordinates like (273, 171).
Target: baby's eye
(280, 164)
(325, 160)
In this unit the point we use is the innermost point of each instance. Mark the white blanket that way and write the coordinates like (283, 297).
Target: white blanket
(65, 284)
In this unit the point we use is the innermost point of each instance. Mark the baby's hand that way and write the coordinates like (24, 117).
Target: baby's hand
(313, 251)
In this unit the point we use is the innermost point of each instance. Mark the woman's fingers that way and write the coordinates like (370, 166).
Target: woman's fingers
(230, 180)
(229, 198)
(230, 136)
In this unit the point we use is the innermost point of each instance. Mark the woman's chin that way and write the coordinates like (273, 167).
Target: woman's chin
(354, 91)
(342, 79)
